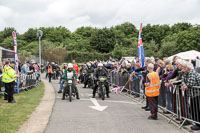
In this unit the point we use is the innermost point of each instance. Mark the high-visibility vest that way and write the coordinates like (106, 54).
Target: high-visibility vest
(76, 68)
(9, 74)
(154, 88)
(50, 69)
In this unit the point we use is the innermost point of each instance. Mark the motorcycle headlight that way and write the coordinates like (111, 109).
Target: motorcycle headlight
(69, 81)
(102, 79)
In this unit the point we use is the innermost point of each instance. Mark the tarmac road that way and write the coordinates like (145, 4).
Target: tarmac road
(122, 115)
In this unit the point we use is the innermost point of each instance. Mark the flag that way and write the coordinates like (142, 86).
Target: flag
(117, 89)
(140, 48)
(16, 59)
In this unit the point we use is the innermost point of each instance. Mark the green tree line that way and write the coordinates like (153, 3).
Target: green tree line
(89, 43)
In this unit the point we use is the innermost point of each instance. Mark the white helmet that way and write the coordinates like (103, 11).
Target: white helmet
(70, 65)
(88, 64)
(100, 65)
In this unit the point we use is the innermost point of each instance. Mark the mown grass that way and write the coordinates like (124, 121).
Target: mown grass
(12, 115)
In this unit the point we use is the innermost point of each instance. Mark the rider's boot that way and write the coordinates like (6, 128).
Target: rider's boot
(77, 96)
(63, 98)
(108, 95)
(93, 96)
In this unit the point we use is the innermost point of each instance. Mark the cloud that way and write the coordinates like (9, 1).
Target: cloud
(24, 14)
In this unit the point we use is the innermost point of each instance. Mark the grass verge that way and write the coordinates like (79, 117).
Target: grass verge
(14, 115)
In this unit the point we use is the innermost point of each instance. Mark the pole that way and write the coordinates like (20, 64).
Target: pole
(40, 55)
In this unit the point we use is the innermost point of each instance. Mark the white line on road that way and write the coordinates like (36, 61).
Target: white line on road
(111, 101)
(97, 106)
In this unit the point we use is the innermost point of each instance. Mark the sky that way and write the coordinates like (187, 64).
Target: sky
(25, 14)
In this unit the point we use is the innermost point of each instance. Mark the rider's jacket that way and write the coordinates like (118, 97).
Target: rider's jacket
(90, 70)
(99, 73)
(67, 71)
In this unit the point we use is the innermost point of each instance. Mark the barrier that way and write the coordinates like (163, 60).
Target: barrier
(181, 104)
(26, 81)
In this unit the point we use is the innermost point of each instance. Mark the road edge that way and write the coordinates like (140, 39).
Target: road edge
(39, 119)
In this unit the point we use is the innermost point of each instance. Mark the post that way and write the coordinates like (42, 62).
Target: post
(39, 34)
(40, 57)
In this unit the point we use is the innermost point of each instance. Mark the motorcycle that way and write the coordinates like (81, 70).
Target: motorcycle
(91, 80)
(69, 90)
(101, 87)
(54, 74)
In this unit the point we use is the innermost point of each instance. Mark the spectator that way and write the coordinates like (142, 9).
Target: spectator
(190, 79)
(166, 77)
(160, 67)
(50, 71)
(128, 68)
(197, 66)
(136, 81)
(25, 68)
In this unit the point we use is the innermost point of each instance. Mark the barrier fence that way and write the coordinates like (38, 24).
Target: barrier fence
(26, 81)
(183, 105)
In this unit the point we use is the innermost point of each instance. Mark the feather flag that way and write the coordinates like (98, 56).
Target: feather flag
(16, 59)
(140, 48)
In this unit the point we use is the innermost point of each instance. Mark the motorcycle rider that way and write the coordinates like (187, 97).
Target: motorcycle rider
(89, 70)
(98, 73)
(70, 69)
(58, 71)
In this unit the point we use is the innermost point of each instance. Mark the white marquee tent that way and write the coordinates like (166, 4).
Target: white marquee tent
(188, 55)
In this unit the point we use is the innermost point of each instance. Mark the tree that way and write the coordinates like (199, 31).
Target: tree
(118, 51)
(30, 35)
(103, 40)
(8, 43)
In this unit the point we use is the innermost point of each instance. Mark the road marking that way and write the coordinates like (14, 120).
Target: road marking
(111, 101)
(97, 105)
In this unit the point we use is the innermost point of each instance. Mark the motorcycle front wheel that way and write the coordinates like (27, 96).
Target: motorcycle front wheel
(70, 93)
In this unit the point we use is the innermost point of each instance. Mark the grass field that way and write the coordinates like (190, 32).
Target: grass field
(12, 115)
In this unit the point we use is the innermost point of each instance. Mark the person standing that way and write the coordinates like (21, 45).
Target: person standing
(144, 74)
(50, 71)
(7, 63)
(190, 79)
(152, 91)
(9, 77)
(197, 64)
(75, 67)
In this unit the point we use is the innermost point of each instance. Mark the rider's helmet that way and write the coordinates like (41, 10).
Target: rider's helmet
(70, 66)
(100, 65)
(89, 64)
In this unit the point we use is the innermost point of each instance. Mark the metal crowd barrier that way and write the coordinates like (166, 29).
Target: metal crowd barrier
(26, 81)
(183, 105)
(131, 86)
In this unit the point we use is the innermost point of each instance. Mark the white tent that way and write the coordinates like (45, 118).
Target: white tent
(188, 55)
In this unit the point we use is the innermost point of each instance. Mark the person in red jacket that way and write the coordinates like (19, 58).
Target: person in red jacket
(75, 67)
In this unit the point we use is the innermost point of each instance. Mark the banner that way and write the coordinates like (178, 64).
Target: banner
(16, 59)
(141, 57)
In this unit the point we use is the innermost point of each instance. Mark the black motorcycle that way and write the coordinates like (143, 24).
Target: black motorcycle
(91, 80)
(101, 87)
(54, 74)
(69, 90)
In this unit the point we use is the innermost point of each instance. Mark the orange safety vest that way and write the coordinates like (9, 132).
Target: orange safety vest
(50, 69)
(154, 88)
(75, 67)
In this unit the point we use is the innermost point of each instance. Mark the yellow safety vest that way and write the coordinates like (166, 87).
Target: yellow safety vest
(154, 88)
(9, 74)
